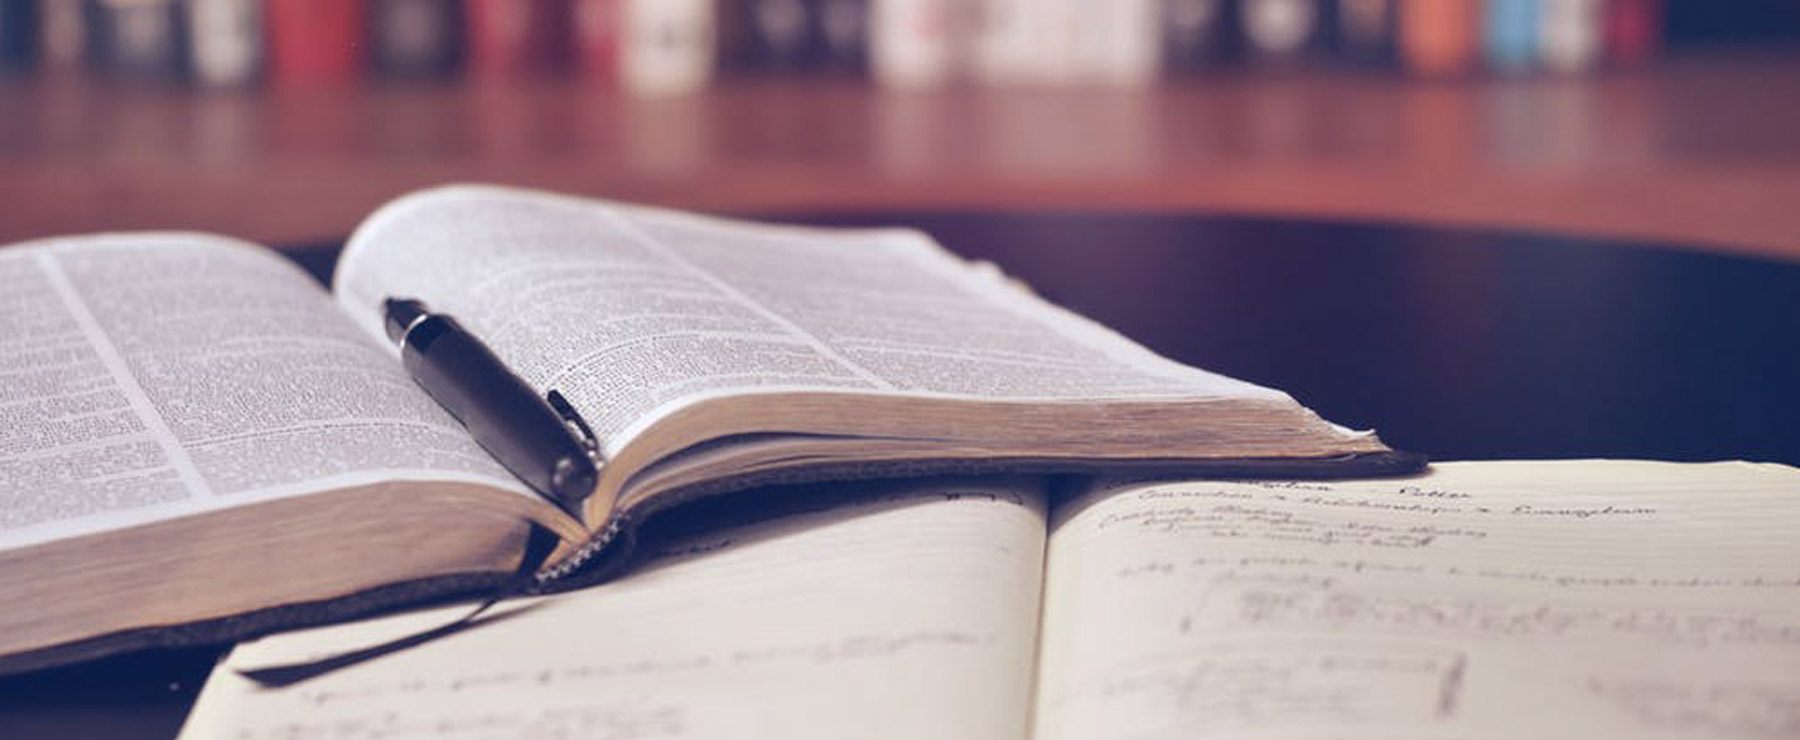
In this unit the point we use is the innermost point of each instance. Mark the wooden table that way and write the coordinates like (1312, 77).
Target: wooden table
(1699, 150)
(1452, 342)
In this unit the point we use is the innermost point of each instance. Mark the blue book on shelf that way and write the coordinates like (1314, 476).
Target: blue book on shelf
(1510, 33)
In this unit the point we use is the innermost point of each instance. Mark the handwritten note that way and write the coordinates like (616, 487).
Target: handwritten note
(913, 612)
(1244, 686)
(1570, 599)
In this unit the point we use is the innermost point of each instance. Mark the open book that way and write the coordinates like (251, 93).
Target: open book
(199, 443)
(1592, 599)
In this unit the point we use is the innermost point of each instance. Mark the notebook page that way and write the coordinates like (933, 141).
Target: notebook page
(147, 376)
(912, 613)
(1482, 600)
(631, 312)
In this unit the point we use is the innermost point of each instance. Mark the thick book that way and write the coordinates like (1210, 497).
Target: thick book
(202, 444)
(1608, 600)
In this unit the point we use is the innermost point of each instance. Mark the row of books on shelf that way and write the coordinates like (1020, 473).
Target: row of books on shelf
(665, 46)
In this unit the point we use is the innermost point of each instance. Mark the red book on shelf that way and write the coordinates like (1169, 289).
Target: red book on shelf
(513, 38)
(599, 29)
(315, 42)
(1633, 30)
(1439, 37)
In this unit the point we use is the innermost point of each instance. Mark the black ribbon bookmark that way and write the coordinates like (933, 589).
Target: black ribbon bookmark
(538, 547)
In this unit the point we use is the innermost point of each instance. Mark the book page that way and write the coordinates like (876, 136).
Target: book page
(631, 311)
(909, 613)
(145, 376)
(1482, 600)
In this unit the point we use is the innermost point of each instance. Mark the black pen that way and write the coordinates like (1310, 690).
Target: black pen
(539, 438)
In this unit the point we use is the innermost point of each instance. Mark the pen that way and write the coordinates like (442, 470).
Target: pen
(539, 438)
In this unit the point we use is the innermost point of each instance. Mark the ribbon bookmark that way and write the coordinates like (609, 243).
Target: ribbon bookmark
(538, 547)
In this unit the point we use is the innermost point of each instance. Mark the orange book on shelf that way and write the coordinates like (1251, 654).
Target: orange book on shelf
(315, 42)
(1440, 37)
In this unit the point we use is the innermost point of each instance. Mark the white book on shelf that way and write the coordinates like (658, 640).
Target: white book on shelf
(1569, 35)
(668, 47)
(913, 43)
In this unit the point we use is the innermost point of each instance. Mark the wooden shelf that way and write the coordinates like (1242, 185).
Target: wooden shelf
(1697, 152)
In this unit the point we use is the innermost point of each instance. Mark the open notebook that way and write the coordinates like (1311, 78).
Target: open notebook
(1594, 599)
(197, 443)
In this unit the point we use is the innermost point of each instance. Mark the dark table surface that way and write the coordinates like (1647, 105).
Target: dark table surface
(1458, 344)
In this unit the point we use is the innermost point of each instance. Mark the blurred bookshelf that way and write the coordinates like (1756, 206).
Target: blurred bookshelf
(287, 121)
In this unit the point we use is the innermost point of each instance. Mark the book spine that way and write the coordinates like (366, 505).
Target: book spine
(1365, 30)
(62, 37)
(1115, 43)
(1633, 31)
(843, 31)
(1196, 33)
(416, 38)
(599, 30)
(225, 41)
(18, 34)
(137, 39)
(1438, 37)
(667, 47)
(509, 39)
(315, 43)
(1009, 41)
(911, 42)
(779, 35)
(1283, 30)
(1510, 35)
(1570, 34)
(1061, 30)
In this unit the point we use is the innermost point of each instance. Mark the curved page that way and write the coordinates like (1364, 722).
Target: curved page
(910, 613)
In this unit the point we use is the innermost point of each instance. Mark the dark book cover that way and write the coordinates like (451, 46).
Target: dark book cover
(1197, 34)
(1363, 31)
(18, 34)
(416, 38)
(779, 34)
(140, 40)
(843, 32)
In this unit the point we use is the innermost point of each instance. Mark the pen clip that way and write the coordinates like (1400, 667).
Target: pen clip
(572, 419)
